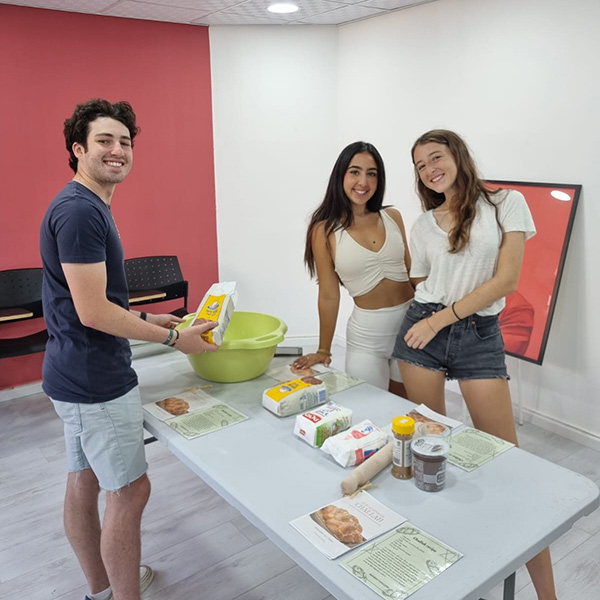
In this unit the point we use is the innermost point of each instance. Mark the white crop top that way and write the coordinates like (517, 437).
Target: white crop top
(361, 269)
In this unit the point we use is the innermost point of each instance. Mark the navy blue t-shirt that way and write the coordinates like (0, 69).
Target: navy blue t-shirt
(82, 364)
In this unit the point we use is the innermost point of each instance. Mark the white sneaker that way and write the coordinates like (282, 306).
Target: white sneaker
(146, 577)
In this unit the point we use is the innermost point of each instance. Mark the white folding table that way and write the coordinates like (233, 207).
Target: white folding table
(499, 516)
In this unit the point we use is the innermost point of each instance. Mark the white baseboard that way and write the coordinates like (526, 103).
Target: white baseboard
(571, 432)
(21, 391)
(530, 415)
(453, 386)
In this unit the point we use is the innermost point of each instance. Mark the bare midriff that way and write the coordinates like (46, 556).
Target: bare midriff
(385, 294)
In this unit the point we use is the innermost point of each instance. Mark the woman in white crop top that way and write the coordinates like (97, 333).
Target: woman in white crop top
(353, 240)
(467, 250)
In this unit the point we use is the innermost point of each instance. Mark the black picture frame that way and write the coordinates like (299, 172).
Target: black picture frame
(527, 317)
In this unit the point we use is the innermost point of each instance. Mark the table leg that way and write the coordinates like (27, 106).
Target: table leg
(509, 588)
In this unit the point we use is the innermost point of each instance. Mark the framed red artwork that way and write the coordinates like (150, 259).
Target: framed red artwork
(526, 319)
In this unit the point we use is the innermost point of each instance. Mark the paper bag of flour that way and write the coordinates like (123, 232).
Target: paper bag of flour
(355, 445)
(218, 305)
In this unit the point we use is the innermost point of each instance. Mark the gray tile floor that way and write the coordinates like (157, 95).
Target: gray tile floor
(198, 544)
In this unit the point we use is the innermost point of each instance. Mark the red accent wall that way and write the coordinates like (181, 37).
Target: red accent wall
(49, 62)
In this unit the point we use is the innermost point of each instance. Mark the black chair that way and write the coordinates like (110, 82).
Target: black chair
(20, 300)
(156, 279)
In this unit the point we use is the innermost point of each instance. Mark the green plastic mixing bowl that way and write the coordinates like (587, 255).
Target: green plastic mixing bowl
(246, 351)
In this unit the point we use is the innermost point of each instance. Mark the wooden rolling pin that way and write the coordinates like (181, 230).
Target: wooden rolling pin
(365, 471)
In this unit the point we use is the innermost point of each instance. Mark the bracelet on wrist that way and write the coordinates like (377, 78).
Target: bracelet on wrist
(167, 342)
(323, 351)
(454, 311)
(431, 326)
(144, 316)
(176, 338)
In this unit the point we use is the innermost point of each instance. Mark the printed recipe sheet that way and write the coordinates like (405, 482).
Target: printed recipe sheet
(193, 413)
(401, 562)
(471, 448)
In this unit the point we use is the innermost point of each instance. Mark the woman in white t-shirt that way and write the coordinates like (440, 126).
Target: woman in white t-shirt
(354, 240)
(467, 249)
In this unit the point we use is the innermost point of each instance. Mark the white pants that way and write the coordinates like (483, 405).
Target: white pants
(370, 339)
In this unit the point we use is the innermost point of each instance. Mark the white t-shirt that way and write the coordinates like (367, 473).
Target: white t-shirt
(451, 277)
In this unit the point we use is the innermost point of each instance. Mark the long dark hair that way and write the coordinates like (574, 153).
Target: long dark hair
(469, 186)
(336, 209)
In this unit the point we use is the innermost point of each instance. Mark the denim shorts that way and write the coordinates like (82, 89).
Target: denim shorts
(472, 348)
(107, 437)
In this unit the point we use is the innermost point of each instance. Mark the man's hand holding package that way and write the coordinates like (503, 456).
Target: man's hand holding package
(190, 338)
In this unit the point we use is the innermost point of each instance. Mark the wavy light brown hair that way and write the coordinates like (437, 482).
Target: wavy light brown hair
(469, 186)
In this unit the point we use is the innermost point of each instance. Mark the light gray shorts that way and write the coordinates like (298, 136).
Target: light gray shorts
(107, 437)
(370, 339)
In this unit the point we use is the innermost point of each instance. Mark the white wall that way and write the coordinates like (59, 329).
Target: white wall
(274, 105)
(518, 79)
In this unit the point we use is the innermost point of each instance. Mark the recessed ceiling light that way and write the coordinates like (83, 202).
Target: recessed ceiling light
(282, 8)
(560, 195)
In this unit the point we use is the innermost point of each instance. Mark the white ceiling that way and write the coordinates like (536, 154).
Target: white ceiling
(228, 12)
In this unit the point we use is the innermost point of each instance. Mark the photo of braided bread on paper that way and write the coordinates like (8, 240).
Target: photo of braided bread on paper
(343, 526)
(186, 402)
(346, 523)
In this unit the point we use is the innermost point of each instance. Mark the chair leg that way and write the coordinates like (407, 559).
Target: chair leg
(509, 587)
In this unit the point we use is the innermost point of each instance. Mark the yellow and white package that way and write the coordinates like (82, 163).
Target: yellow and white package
(291, 397)
(316, 425)
(218, 305)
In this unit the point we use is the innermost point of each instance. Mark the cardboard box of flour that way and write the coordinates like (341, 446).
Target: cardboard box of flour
(316, 425)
